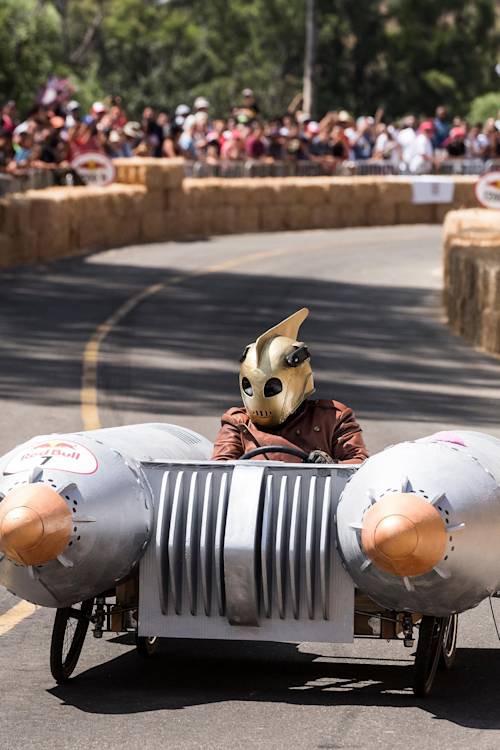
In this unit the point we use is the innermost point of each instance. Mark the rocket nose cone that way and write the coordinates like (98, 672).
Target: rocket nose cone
(35, 524)
(403, 534)
(22, 528)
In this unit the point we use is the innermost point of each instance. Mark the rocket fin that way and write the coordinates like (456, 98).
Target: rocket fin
(288, 327)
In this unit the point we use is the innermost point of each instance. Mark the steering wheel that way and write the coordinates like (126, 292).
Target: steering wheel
(275, 449)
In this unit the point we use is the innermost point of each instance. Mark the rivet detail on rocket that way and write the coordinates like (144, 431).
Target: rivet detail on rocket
(35, 524)
(403, 534)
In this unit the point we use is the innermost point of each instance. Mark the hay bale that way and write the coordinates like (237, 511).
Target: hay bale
(313, 193)
(490, 330)
(246, 219)
(464, 195)
(352, 214)
(172, 173)
(392, 190)
(340, 190)
(381, 213)
(223, 220)
(410, 213)
(153, 228)
(6, 251)
(272, 218)
(325, 216)
(50, 219)
(298, 216)
(154, 201)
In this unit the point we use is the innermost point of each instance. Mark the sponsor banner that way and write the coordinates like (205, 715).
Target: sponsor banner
(488, 190)
(59, 455)
(428, 189)
(95, 168)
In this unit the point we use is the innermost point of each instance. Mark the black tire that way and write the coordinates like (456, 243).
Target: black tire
(429, 650)
(146, 646)
(68, 635)
(449, 643)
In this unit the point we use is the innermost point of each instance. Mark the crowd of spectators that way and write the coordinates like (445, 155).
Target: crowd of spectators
(54, 132)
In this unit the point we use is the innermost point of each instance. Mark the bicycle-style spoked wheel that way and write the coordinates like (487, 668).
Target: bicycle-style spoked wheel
(146, 646)
(68, 635)
(429, 650)
(449, 650)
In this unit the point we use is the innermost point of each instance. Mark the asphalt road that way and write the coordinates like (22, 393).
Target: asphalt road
(378, 342)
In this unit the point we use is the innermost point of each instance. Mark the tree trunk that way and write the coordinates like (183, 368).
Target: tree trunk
(309, 58)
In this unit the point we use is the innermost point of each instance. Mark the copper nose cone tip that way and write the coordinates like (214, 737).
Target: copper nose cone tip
(35, 524)
(403, 534)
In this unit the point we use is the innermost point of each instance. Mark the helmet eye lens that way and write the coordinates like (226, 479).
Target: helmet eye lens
(247, 386)
(272, 387)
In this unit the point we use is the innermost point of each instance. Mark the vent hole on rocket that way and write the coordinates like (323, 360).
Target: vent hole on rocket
(453, 549)
(75, 530)
(67, 497)
(447, 512)
(446, 557)
(74, 510)
(440, 508)
(70, 544)
(78, 538)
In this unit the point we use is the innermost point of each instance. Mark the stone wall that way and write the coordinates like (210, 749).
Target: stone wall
(472, 276)
(151, 201)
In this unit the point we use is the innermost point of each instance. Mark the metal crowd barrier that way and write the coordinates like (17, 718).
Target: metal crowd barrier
(306, 168)
(37, 179)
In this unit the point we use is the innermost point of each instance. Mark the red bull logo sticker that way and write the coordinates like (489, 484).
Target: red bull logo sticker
(59, 455)
(488, 190)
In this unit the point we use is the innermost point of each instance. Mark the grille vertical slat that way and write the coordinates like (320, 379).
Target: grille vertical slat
(206, 547)
(175, 543)
(161, 548)
(294, 548)
(219, 543)
(310, 568)
(324, 549)
(280, 548)
(267, 548)
(191, 545)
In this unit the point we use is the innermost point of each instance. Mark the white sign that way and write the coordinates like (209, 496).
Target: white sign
(95, 168)
(61, 455)
(488, 190)
(432, 190)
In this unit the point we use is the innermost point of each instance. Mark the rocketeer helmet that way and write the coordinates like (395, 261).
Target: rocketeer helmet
(275, 373)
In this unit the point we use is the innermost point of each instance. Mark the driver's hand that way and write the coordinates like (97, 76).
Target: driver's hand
(319, 457)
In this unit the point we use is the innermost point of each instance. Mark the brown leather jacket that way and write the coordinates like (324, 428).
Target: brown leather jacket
(317, 425)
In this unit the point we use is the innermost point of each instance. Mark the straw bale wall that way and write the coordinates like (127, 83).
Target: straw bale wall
(152, 201)
(472, 276)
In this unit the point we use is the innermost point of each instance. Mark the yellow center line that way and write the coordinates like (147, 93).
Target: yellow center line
(89, 407)
(15, 615)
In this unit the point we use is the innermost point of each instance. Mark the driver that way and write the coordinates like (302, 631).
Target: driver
(275, 381)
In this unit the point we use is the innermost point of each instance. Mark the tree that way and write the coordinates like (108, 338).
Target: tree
(30, 49)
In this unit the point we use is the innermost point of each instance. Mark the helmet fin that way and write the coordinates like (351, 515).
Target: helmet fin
(288, 327)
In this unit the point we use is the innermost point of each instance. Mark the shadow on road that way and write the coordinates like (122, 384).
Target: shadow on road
(382, 349)
(174, 679)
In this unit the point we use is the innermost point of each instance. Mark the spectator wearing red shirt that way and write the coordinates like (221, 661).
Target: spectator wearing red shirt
(255, 145)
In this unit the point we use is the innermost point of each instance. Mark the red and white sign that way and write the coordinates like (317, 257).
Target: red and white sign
(488, 190)
(60, 455)
(95, 168)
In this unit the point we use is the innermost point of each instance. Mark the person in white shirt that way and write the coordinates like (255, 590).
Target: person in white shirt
(406, 138)
(422, 158)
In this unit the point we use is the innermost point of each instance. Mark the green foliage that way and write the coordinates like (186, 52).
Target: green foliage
(402, 54)
(30, 48)
(482, 107)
